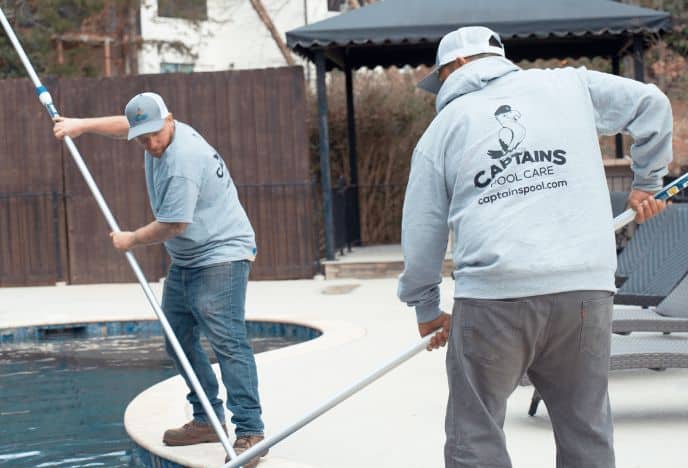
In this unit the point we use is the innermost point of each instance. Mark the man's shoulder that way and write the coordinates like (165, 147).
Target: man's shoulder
(456, 113)
(450, 120)
(188, 143)
(188, 138)
(187, 149)
(535, 74)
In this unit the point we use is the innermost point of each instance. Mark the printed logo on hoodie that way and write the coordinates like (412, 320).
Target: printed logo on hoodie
(510, 138)
(512, 133)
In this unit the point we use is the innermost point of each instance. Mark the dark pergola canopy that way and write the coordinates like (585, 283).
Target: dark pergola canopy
(407, 32)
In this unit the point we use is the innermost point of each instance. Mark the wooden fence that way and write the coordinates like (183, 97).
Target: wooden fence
(619, 174)
(50, 226)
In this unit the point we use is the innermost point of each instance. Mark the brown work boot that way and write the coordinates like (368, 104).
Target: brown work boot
(191, 433)
(244, 443)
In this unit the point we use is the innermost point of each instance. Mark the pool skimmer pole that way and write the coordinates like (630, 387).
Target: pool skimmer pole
(46, 100)
(620, 221)
(330, 403)
(664, 194)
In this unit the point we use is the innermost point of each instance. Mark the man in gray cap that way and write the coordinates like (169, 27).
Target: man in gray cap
(512, 164)
(211, 243)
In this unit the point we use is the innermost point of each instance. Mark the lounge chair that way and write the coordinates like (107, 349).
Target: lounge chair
(656, 352)
(652, 266)
(653, 269)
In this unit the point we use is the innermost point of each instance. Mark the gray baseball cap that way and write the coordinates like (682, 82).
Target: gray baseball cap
(463, 42)
(146, 113)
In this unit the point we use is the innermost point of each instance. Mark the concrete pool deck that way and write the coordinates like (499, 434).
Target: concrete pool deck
(397, 421)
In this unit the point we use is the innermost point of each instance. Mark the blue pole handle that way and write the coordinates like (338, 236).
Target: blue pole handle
(673, 188)
(47, 101)
(664, 194)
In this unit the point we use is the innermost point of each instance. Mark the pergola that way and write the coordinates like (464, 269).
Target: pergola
(407, 32)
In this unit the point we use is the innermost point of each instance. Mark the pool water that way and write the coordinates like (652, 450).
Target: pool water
(62, 397)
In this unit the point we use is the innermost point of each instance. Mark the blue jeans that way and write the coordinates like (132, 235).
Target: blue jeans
(210, 300)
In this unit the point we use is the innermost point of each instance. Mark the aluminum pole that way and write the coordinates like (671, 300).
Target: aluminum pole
(626, 217)
(664, 194)
(46, 100)
(330, 403)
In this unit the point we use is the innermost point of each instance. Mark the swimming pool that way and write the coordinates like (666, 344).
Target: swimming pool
(64, 389)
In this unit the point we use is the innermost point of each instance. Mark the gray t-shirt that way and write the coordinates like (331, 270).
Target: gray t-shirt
(190, 183)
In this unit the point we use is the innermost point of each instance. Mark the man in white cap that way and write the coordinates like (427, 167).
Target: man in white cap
(512, 164)
(211, 243)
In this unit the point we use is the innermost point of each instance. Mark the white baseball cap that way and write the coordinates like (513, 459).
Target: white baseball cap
(146, 113)
(464, 42)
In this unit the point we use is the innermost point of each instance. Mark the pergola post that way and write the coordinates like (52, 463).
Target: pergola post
(616, 69)
(638, 60)
(386, 35)
(325, 177)
(353, 216)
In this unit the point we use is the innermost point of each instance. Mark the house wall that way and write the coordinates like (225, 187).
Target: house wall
(232, 36)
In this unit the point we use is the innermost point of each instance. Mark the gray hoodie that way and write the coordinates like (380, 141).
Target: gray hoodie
(512, 165)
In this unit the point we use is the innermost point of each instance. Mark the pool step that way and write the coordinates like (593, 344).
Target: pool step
(371, 262)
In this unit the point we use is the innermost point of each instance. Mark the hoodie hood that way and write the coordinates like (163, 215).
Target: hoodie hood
(473, 76)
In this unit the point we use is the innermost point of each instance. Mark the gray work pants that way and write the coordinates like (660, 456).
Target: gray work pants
(563, 342)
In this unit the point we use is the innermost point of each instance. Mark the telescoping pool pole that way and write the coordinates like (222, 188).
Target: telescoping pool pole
(665, 193)
(330, 403)
(46, 100)
(620, 221)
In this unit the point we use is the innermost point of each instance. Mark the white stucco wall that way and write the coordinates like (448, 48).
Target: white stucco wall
(233, 36)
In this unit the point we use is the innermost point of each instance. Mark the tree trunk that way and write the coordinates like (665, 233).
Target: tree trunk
(132, 45)
(265, 18)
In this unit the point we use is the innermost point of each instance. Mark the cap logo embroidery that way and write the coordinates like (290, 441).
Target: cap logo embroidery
(140, 115)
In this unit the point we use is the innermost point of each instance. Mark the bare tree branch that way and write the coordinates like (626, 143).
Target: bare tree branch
(267, 21)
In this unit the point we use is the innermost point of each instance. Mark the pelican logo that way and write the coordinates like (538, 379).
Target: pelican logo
(511, 134)
(511, 152)
(140, 115)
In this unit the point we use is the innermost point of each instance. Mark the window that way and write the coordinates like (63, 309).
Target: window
(185, 9)
(334, 5)
(166, 67)
(344, 5)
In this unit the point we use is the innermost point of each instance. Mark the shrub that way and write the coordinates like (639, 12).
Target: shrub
(391, 115)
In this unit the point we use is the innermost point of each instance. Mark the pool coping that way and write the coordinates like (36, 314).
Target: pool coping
(138, 412)
(332, 333)
(146, 328)
(395, 422)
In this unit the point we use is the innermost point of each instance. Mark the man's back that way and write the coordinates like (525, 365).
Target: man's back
(520, 160)
(512, 164)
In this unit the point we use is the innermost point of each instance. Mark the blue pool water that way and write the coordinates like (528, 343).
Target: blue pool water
(63, 390)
